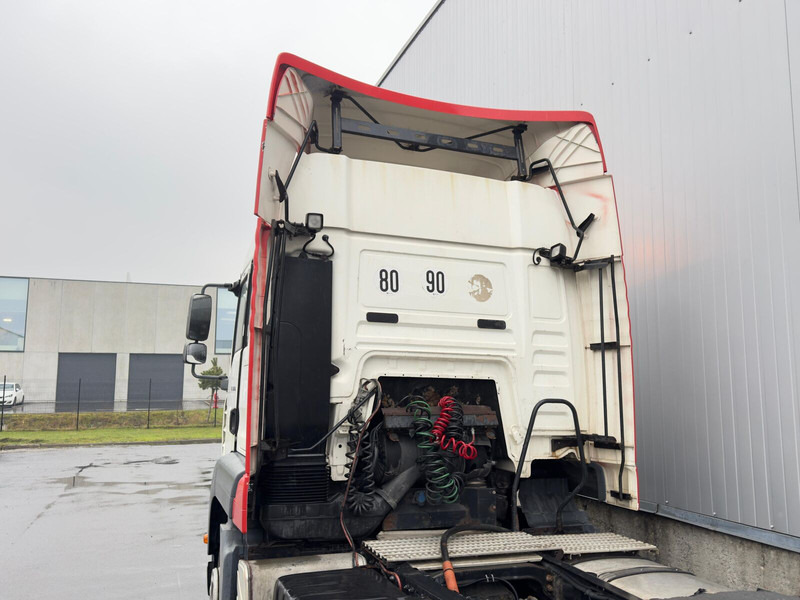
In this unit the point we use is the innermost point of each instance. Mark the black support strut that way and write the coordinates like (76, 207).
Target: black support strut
(603, 352)
(620, 493)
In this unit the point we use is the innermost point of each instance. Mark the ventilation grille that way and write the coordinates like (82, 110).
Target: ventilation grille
(296, 480)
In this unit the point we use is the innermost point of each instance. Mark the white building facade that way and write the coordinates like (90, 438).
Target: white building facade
(698, 110)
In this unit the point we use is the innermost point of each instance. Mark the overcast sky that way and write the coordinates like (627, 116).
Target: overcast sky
(129, 129)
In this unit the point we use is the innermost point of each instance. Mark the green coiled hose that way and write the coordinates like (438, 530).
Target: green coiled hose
(441, 487)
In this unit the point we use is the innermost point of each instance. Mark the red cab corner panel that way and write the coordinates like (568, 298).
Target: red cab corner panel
(239, 515)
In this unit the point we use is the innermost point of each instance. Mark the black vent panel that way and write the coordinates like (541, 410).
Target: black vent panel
(296, 480)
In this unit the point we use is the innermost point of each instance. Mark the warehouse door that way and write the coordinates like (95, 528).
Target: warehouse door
(87, 379)
(157, 379)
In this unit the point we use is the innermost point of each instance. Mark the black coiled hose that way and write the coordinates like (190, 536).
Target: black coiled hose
(356, 421)
(362, 498)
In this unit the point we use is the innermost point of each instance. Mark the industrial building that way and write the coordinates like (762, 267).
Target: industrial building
(696, 105)
(116, 346)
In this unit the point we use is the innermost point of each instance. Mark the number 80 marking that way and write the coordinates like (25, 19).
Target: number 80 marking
(389, 281)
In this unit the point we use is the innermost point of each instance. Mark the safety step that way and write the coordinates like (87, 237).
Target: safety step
(426, 547)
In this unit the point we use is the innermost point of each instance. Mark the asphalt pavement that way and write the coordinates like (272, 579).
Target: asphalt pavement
(107, 522)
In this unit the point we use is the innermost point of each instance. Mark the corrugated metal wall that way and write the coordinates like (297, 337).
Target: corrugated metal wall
(698, 107)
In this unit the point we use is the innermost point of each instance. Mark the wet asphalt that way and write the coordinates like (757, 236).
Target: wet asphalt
(107, 522)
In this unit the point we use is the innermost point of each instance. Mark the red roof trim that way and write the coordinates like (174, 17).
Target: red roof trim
(286, 60)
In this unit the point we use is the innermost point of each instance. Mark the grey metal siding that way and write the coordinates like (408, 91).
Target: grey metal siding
(698, 108)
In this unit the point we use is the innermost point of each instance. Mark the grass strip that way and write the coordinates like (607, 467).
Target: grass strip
(9, 439)
(106, 420)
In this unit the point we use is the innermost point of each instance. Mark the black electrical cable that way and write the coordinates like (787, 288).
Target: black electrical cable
(332, 430)
(490, 578)
(508, 584)
(461, 529)
(447, 566)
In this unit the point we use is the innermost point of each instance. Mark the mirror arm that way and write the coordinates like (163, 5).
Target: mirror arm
(207, 377)
(227, 286)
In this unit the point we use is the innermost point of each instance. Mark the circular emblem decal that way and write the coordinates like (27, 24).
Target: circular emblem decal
(480, 288)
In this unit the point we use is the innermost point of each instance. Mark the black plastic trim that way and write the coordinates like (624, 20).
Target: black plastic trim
(379, 317)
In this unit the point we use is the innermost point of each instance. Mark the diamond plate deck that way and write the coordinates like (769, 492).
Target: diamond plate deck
(495, 544)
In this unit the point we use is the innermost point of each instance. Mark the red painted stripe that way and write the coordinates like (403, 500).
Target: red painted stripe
(257, 290)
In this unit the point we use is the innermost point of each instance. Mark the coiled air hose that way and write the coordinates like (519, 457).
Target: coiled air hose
(449, 430)
(441, 485)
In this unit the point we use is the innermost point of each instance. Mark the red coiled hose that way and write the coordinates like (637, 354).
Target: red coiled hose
(463, 449)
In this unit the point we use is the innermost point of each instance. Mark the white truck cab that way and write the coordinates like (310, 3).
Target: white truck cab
(431, 358)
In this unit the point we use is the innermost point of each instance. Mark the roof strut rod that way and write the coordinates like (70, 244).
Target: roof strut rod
(416, 138)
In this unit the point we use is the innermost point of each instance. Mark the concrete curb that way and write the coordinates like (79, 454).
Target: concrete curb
(6, 448)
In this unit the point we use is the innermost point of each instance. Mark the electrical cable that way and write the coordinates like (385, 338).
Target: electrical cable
(508, 584)
(491, 578)
(447, 566)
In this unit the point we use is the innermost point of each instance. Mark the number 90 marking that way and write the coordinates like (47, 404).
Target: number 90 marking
(389, 281)
(435, 282)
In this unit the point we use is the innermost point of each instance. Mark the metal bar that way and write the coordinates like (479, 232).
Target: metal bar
(603, 352)
(423, 138)
(300, 152)
(78, 412)
(3, 404)
(336, 123)
(546, 161)
(619, 381)
(149, 396)
(523, 454)
(614, 575)
(522, 169)
(227, 286)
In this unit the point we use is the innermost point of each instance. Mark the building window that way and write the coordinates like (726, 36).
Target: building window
(13, 311)
(226, 318)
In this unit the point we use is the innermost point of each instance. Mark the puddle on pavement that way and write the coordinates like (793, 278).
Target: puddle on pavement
(163, 460)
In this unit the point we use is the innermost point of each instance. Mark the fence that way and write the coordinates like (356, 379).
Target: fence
(49, 404)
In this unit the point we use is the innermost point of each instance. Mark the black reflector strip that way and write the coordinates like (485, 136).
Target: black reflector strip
(491, 324)
(375, 317)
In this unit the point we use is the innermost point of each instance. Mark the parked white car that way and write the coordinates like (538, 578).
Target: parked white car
(11, 394)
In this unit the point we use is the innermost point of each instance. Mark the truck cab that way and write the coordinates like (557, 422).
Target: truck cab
(431, 357)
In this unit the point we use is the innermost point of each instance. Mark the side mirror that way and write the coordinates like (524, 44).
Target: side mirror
(198, 323)
(194, 353)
